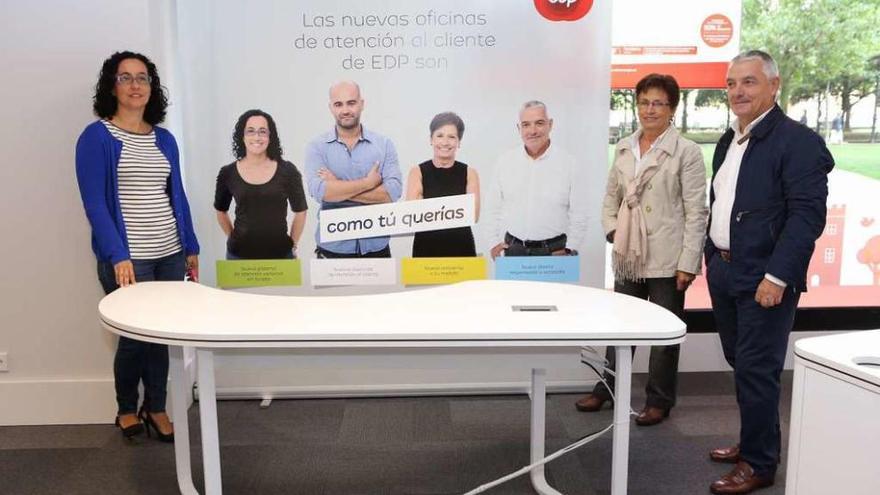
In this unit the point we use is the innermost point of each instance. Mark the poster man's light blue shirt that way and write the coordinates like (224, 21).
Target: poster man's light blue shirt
(328, 151)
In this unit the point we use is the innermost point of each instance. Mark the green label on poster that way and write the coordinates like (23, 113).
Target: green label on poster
(258, 273)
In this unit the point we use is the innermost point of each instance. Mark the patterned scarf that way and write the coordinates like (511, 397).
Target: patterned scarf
(630, 250)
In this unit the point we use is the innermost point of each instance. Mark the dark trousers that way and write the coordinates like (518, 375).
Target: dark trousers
(754, 341)
(663, 364)
(138, 361)
(382, 253)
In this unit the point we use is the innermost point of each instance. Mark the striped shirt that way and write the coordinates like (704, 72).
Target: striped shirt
(142, 175)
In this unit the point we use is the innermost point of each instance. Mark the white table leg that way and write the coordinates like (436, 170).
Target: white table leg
(208, 416)
(620, 453)
(181, 422)
(539, 413)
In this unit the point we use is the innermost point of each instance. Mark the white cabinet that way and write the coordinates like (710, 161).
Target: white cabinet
(835, 416)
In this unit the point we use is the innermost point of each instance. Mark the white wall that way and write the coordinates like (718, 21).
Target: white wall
(60, 359)
(299, 374)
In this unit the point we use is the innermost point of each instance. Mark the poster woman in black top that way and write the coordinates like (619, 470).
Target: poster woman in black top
(444, 176)
(262, 184)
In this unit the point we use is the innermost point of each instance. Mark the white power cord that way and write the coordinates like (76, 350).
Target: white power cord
(591, 358)
(526, 469)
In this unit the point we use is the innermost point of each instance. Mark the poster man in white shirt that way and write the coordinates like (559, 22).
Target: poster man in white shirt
(534, 205)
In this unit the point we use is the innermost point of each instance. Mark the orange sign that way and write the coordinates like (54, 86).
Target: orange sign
(691, 40)
(717, 30)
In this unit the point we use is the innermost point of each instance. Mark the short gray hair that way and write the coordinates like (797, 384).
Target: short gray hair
(771, 70)
(533, 103)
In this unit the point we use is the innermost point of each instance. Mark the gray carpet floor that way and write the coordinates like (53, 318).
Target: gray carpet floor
(394, 446)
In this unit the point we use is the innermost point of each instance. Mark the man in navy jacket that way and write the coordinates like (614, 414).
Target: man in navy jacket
(768, 195)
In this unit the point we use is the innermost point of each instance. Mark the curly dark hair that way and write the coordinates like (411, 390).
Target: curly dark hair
(663, 82)
(273, 150)
(105, 100)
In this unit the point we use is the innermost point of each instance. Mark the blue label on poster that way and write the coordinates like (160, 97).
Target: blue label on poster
(538, 268)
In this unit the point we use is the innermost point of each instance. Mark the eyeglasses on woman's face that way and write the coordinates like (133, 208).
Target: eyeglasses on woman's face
(251, 132)
(652, 104)
(126, 79)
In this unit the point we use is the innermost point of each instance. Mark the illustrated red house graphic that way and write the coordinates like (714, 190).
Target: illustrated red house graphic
(824, 269)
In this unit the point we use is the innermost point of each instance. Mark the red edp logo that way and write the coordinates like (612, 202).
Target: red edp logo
(563, 10)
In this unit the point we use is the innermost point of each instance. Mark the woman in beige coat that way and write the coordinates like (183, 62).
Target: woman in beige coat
(654, 213)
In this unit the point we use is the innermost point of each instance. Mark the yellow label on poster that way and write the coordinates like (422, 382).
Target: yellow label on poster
(431, 271)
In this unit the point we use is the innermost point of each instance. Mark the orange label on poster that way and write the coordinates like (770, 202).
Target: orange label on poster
(717, 30)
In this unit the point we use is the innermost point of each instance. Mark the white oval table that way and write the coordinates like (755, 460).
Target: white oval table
(486, 313)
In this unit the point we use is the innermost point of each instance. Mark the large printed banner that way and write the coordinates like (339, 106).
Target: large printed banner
(412, 60)
(692, 40)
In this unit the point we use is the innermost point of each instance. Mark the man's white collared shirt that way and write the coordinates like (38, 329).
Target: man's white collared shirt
(724, 184)
(537, 198)
(724, 187)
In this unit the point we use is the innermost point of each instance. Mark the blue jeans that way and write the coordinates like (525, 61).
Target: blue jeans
(138, 361)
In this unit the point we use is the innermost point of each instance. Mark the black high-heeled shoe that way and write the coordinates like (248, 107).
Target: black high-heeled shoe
(150, 423)
(130, 430)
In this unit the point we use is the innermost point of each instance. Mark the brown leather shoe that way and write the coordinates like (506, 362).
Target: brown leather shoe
(741, 480)
(651, 416)
(729, 455)
(590, 403)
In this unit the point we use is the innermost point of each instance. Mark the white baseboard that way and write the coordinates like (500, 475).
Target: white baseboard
(64, 401)
(92, 400)
(395, 390)
(57, 402)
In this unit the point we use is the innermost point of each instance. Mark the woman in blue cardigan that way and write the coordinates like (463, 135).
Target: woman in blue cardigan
(129, 179)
